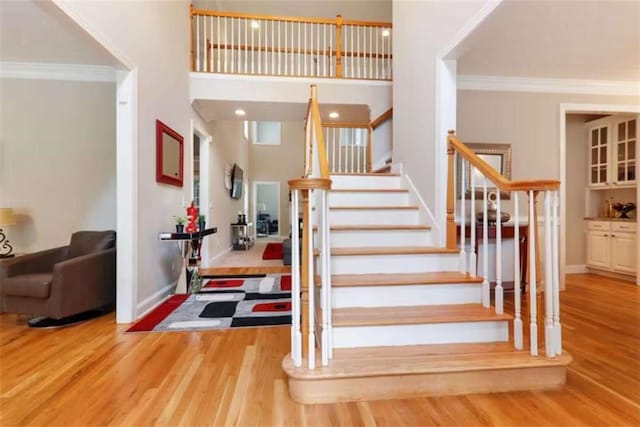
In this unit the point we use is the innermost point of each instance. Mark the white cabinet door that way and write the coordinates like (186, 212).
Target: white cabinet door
(624, 151)
(623, 252)
(599, 153)
(598, 253)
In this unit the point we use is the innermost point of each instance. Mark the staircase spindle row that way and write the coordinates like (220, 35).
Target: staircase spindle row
(227, 42)
(548, 283)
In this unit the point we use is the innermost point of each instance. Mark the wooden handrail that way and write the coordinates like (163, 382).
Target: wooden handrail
(494, 176)
(381, 118)
(317, 124)
(309, 20)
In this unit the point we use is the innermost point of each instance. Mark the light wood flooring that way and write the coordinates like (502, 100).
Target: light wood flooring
(93, 374)
(236, 262)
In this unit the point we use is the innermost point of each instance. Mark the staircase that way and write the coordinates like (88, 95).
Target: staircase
(404, 321)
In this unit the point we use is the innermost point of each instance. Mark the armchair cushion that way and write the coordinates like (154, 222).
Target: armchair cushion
(28, 285)
(86, 242)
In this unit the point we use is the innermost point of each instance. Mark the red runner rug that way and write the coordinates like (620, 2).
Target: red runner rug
(273, 251)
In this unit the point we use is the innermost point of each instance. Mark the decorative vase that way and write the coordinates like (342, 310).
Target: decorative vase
(201, 225)
(492, 211)
(179, 228)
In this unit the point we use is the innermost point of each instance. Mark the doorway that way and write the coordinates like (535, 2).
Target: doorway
(266, 208)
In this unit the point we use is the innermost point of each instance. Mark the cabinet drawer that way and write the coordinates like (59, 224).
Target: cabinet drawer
(598, 225)
(629, 227)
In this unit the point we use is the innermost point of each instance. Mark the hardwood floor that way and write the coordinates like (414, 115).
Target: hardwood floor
(93, 374)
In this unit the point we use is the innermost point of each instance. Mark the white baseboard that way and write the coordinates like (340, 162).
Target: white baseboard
(154, 300)
(576, 269)
(213, 260)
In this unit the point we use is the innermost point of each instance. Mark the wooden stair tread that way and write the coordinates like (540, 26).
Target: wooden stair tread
(417, 314)
(431, 278)
(375, 227)
(369, 190)
(389, 250)
(366, 365)
(373, 208)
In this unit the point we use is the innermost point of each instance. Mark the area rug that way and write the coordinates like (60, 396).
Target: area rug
(224, 302)
(273, 251)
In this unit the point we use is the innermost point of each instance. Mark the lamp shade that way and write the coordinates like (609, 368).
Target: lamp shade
(7, 217)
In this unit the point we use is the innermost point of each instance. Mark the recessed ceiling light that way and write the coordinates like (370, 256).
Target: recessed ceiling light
(240, 112)
(255, 25)
(334, 115)
(386, 33)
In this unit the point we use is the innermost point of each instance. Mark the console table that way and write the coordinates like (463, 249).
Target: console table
(242, 236)
(191, 251)
(508, 232)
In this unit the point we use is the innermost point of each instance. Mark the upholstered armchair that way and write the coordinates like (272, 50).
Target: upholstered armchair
(64, 284)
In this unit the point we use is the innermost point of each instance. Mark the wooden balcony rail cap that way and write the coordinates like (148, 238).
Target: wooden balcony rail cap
(382, 118)
(310, 184)
(494, 176)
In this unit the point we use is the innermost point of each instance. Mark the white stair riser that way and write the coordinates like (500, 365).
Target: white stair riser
(429, 333)
(368, 199)
(406, 295)
(391, 238)
(375, 264)
(350, 182)
(373, 216)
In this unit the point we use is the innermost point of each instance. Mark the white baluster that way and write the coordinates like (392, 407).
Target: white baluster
(533, 313)
(473, 260)
(384, 67)
(339, 139)
(389, 61)
(233, 47)
(463, 219)
(330, 56)
(311, 287)
(557, 328)
(246, 43)
(370, 74)
(253, 51)
(296, 350)
(353, 146)
(325, 279)
(218, 65)
(357, 148)
(286, 52)
(353, 65)
(486, 297)
(197, 37)
(499, 293)
(377, 56)
(328, 303)
(324, 46)
(517, 321)
(548, 278)
(273, 48)
(224, 61)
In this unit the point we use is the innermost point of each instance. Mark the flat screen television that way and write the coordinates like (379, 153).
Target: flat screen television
(236, 182)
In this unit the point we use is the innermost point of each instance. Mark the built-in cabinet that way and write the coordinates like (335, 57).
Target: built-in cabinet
(612, 152)
(611, 246)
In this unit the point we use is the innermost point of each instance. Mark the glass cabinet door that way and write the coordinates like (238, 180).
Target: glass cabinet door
(598, 155)
(625, 139)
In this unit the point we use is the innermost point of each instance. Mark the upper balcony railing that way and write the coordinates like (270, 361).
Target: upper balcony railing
(238, 43)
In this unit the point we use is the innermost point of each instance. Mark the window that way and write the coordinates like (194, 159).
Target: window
(267, 133)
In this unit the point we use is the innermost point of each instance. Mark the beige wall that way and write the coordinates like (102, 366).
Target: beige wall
(57, 160)
(280, 163)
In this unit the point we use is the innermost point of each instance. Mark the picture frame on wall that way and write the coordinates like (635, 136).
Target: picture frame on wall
(169, 155)
(496, 155)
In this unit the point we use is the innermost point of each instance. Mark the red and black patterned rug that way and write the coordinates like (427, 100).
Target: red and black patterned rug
(224, 302)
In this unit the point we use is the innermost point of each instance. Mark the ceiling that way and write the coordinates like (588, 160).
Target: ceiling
(38, 31)
(277, 111)
(594, 40)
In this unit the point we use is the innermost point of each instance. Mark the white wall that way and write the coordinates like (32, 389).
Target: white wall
(382, 143)
(280, 163)
(228, 147)
(152, 37)
(423, 30)
(576, 182)
(57, 160)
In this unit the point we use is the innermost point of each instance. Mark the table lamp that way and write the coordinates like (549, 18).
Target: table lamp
(6, 218)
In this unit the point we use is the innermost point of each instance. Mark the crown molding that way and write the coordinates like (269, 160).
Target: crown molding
(546, 85)
(67, 72)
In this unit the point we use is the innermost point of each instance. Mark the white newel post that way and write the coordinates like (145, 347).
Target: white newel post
(296, 334)
(548, 278)
(557, 329)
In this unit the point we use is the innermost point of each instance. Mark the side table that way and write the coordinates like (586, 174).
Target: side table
(191, 251)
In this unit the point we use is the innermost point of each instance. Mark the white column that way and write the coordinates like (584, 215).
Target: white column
(296, 334)
(486, 297)
(499, 291)
(557, 328)
(517, 321)
(463, 219)
(533, 312)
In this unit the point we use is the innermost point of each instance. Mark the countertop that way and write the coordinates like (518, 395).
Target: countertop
(595, 218)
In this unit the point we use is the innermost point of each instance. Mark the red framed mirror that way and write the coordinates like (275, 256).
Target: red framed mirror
(169, 155)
